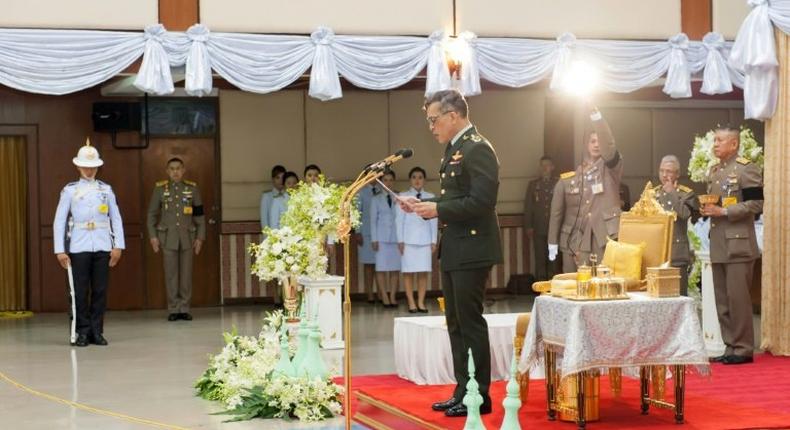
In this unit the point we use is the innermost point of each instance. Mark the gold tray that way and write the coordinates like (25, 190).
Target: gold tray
(591, 299)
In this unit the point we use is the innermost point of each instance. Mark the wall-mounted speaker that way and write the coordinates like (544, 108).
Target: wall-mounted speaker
(116, 116)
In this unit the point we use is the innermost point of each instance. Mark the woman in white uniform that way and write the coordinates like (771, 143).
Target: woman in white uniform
(417, 239)
(384, 240)
(279, 202)
(365, 254)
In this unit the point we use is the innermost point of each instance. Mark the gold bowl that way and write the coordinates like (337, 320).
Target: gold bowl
(708, 199)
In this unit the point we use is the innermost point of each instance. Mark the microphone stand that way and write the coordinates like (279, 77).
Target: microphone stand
(367, 176)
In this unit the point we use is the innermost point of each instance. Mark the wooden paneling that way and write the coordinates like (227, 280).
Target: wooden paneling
(696, 18)
(178, 15)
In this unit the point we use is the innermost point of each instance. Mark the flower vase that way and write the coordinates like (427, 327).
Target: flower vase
(291, 299)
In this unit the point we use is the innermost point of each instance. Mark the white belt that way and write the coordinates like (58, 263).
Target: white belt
(92, 225)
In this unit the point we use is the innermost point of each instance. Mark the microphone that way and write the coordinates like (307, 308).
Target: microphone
(383, 164)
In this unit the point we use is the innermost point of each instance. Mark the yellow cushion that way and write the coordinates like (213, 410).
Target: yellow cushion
(624, 259)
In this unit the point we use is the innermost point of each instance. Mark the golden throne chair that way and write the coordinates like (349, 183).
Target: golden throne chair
(647, 222)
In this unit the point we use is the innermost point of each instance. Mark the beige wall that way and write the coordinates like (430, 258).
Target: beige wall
(341, 136)
(418, 17)
(728, 16)
(80, 14)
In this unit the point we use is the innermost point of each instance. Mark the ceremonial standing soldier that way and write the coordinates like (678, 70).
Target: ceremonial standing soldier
(88, 236)
(681, 200)
(384, 240)
(733, 245)
(278, 184)
(470, 245)
(537, 208)
(585, 207)
(176, 225)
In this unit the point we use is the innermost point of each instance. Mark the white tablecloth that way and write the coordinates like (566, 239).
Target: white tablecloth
(617, 333)
(422, 348)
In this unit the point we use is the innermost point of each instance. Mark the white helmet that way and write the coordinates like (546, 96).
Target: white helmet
(87, 156)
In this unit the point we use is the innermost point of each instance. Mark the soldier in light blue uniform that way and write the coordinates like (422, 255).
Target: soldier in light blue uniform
(417, 238)
(279, 201)
(384, 240)
(278, 182)
(365, 254)
(88, 216)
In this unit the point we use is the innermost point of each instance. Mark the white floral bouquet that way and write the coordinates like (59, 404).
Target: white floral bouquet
(241, 378)
(288, 252)
(702, 158)
(315, 207)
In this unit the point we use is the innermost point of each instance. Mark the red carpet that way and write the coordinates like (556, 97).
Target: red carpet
(754, 396)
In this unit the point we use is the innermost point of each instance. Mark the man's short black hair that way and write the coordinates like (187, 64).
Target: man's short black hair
(311, 167)
(175, 160)
(276, 170)
(449, 101)
(418, 169)
(728, 127)
(389, 172)
(290, 174)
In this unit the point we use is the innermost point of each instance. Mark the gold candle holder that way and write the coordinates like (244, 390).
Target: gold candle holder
(708, 199)
(440, 300)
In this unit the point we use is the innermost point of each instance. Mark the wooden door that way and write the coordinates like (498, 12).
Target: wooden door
(202, 166)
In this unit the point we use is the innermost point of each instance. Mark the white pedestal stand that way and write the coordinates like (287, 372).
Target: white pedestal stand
(323, 300)
(710, 320)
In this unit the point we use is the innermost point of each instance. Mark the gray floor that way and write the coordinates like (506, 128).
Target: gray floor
(149, 367)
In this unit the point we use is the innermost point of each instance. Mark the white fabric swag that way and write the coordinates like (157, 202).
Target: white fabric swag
(64, 61)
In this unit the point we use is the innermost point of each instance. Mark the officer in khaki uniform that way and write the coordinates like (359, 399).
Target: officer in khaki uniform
(681, 200)
(733, 246)
(537, 206)
(469, 245)
(585, 206)
(177, 225)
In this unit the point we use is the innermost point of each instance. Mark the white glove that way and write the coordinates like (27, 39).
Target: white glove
(553, 252)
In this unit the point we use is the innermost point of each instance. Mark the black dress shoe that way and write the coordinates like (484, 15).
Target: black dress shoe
(98, 339)
(738, 359)
(185, 316)
(459, 410)
(82, 340)
(173, 317)
(445, 405)
(413, 311)
(421, 310)
(371, 301)
(719, 359)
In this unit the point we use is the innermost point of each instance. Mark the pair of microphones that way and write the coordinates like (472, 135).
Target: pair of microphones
(382, 165)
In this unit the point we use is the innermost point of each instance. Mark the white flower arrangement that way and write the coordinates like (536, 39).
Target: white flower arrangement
(240, 378)
(286, 252)
(315, 208)
(702, 158)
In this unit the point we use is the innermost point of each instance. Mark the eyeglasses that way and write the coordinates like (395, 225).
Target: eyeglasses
(432, 119)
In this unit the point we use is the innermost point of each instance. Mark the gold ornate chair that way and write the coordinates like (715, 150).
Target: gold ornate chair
(647, 222)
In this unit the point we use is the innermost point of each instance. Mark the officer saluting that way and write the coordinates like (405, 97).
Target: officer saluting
(176, 224)
(95, 229)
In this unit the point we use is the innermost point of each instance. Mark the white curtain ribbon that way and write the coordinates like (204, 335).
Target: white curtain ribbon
(438, 74)
(678, 81)
(716, 77)
(469, 80)
(198, 63)
(154, 75)
(324, 78)
(754, 55)
(566, 42)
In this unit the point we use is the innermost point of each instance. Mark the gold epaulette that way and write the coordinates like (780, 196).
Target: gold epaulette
(567, 175)
(684, 189)
(190, 183)
(742, 160)
(161, 183)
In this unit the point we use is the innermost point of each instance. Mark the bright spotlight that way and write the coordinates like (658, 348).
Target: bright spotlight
(581, 79)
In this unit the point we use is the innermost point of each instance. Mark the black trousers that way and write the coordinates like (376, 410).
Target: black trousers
(91, 270)
(464, 292)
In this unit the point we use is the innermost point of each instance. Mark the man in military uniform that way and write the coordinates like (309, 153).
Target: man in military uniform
(470, 244)
(278, 174)
(537, 205)
(733, 246)
(681, 200)
(177, 225)
(585, 207)
(91, 244)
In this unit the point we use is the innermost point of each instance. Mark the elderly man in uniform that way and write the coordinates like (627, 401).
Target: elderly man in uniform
(95, 240)
(537, 205)
(733, 246)
(681, 200)
(470, 244)
(585, 207)
(176, 225)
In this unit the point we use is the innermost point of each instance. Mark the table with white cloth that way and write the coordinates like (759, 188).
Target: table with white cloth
(591, 335)
(422, 348)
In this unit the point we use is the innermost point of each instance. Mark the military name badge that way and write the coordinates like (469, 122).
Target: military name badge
(597, 188)
(729, 201)
(457, 157)
(104, 209)
(187, 210)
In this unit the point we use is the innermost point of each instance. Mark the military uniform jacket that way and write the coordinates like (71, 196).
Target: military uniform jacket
(382, 219)
(684, 203)
(95, 224)
(739, 183)
(586, 202)
(537, 204)
(175, 214)
(469, 180)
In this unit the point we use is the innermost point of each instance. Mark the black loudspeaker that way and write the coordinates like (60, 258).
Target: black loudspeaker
(116, 116)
